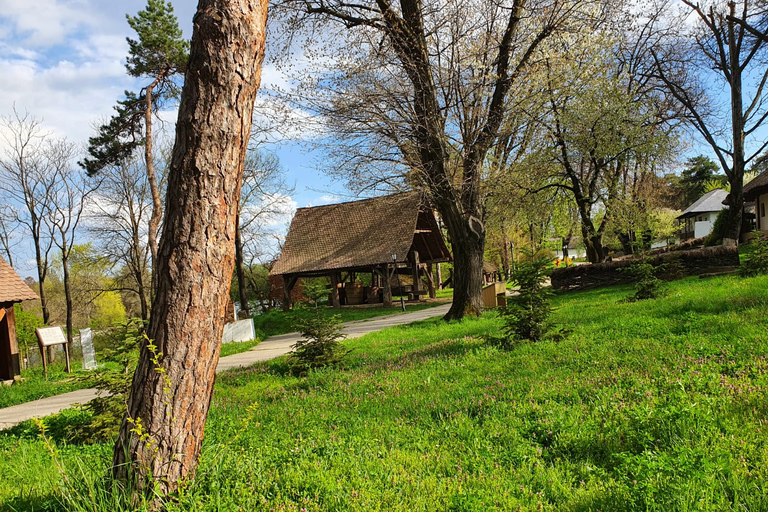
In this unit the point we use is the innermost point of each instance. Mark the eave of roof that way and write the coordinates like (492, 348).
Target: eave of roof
(12, 288)
(712, 201)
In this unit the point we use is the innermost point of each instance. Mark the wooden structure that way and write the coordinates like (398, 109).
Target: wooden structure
(50, 337)
(383, 235)
(495, 294)
(757, 191)
(12, 290)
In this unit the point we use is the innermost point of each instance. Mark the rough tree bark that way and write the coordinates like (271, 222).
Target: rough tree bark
(169, 400)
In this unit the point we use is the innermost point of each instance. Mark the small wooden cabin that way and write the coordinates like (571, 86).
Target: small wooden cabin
(387, 235)
(12, 290)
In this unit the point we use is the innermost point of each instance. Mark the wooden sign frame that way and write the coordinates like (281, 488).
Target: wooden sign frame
(49, 337)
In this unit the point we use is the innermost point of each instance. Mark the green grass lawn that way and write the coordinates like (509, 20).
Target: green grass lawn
(36, 385)
(652, 405)
(276, 321)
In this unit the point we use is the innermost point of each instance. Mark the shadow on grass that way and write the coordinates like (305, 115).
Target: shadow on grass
(58, 427)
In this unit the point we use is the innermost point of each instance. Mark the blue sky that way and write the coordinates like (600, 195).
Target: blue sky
(63, 61)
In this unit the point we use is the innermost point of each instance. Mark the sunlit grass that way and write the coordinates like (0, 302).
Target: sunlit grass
(649, 405)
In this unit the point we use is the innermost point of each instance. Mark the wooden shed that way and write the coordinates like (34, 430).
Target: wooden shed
(12, 290)
(383, 235)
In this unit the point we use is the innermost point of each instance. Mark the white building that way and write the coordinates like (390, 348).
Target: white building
(699, 218)
(757, 191)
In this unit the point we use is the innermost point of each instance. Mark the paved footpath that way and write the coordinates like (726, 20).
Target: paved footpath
(268, 349)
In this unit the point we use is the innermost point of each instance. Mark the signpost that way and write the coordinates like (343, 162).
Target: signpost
(48, 337)
(89, 353)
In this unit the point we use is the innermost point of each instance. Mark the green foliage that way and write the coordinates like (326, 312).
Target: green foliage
(320, 345)
(700, 170)
(106, 412)
(647, 285)
(755, 259)
(527, 314)
(109, 310)
(26, 323)
(718, 229)
(315, 289)
(160, 48)
(116, 141)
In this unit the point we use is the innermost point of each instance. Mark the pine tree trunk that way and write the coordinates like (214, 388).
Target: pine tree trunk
(157, 205)
(196, 253)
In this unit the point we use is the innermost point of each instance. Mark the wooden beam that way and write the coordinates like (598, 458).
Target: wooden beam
(288, 283)
(335, 302)
(387, 299)
(415, 271)
(431, 282)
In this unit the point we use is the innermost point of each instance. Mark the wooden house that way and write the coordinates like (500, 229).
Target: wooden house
(12, 290)
(384, 235)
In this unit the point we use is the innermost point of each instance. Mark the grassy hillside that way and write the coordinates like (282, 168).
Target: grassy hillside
(655, 405)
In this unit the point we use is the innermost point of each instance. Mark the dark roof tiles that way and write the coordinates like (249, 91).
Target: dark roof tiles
(349, 235)
(712, 201)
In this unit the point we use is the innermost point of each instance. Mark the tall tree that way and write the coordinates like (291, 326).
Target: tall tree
(698, 171)
(264, 197)
(67, 202)
(119, 218)
(160, 55)
(422, 88)
(726, 46)
(27, 179)
(171, 390)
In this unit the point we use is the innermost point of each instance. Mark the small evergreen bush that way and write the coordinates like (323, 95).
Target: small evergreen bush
(755, 260)
(527, 314)
(320, 344)
(115, 378)
(647, 285)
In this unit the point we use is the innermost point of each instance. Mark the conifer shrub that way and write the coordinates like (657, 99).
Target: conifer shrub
(320, 345)
(114, 378)
(526, 317)
(755, 261)
(647, 284)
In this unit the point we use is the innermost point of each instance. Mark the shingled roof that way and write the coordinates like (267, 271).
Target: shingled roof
(12, 288)
(756, 187)
(358, 234)
(710, 202)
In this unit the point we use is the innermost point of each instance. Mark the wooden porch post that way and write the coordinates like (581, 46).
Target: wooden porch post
(288, 284)
(387, 300)
(415, 271)
(335, 302)
(431, 282)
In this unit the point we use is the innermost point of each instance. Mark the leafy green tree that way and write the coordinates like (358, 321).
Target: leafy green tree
(693, 180)
(159, 54)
